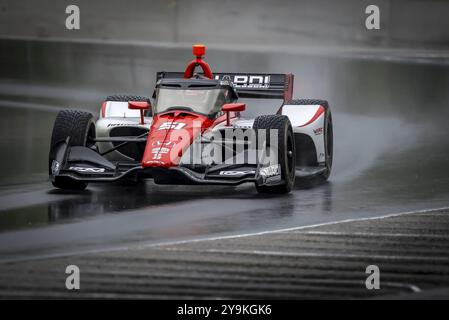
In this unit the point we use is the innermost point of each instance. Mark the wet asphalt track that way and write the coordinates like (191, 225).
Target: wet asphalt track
(315, 262)
(385, 162)
(39, 220)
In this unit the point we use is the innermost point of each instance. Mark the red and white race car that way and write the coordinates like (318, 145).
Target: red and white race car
(194, 133)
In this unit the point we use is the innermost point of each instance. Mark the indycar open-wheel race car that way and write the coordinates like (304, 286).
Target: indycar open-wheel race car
(194, 134)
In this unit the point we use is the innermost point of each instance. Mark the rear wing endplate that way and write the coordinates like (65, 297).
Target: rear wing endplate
(251, 85)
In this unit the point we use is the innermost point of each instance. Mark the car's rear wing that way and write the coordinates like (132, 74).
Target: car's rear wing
(251, 85)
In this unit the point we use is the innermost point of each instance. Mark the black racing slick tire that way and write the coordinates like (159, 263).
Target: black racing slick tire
(126, 98)
(328, 135)
(286, 151)
(329, 144)
(80, 127)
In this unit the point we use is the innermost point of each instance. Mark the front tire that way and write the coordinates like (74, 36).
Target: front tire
(80, 127)
(286, 151)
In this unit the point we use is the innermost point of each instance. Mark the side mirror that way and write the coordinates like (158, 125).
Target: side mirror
(139, 105)
(232, 107)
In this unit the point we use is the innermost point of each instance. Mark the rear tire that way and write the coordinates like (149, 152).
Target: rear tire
(286, 151)
(328, 143)
(80, 127)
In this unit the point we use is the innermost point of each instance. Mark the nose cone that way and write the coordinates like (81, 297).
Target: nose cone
(170, 135)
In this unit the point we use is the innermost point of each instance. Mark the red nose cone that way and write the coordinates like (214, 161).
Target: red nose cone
(170, 136)
(199, 50)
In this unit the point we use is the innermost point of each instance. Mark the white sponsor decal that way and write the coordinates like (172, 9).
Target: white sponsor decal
(160, 163)
(160, 150)
(248, 81)
(270, 171)
(236, 173)
(85, 169)
(165, 144)
(123, 124)
(171, 125)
